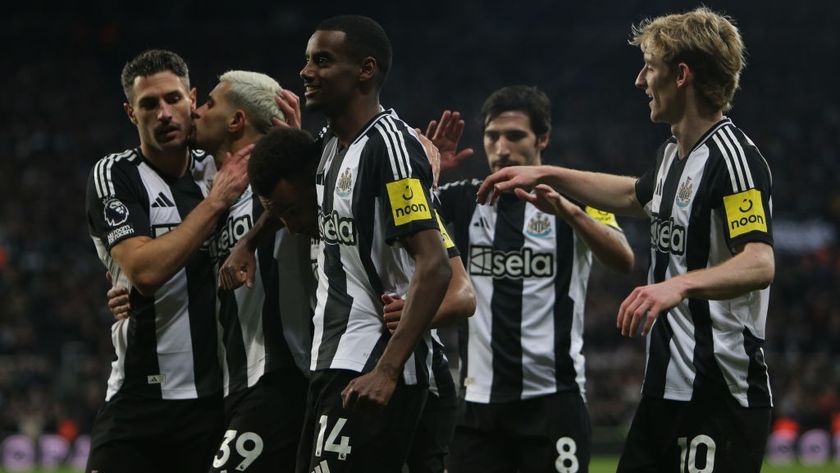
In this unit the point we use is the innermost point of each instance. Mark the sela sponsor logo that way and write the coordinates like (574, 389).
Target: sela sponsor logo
(408, 202)
(667, 236)
(337, 230)
(539, 226)
(235, 228)
(117, 234)
(745, 213)
(114, 211)
(517, 264)
(344, 184)
(684, 192)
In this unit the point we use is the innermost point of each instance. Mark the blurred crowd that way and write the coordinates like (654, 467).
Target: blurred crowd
(62, 110)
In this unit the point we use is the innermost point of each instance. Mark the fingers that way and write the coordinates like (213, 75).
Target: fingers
(636, 309)
(522, 194)
(349, 395)
(289, 104)
(109, 278)
(431, 127)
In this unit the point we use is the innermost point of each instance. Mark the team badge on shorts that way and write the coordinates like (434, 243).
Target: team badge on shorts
(115, 212)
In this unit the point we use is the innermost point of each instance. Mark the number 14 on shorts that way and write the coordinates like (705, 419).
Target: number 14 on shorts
(342, 448)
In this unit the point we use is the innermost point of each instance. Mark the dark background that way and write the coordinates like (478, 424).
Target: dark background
(61, 104)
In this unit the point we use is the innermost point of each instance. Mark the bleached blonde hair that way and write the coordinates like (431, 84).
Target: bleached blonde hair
(254, 93)
(708, 42)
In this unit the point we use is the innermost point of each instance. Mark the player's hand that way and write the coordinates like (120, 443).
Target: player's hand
(369, 392)
(505, 180)
(548, 200)
(289, 104)
(118, 300)
(446, 134)
(238, 268)
(433, 153)
(232, 180)
(644, 305)
(392, 311)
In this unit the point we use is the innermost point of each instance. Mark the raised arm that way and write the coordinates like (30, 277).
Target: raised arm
(608, 244)
(150, 262)
(616, 194)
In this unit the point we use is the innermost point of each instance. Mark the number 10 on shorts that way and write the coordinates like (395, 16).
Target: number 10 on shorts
(342, 449)
(689, 465)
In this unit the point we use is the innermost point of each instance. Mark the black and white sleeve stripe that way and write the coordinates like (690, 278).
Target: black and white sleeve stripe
(395, 144)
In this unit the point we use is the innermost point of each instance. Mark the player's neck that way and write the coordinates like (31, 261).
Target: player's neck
(692, 126)
(172, 163)
(347, 124)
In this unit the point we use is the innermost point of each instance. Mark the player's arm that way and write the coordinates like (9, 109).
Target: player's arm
(458, 303)
(616, 194)
(607, 243)
(150, 262)
(240, 266)
(425, 293)
(751, 269)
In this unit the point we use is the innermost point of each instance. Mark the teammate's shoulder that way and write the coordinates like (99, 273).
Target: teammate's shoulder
(462, 184)
(130, 156)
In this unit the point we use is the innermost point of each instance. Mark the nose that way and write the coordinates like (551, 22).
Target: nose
(502, 147)
(306, 73)
(640, 79)
(164, 111)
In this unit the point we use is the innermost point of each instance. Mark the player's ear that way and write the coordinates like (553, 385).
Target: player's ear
(237, 121)
(684, 74)
(192, 98)
(368, 69)
(129, 110)
(542, 141)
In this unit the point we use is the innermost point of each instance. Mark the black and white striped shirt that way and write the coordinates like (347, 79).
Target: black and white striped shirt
(265, 328)
(370, 194)
(168, 349)
(702, 208)
(530, 272)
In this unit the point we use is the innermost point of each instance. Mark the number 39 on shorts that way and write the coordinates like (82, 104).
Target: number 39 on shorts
(249, 446)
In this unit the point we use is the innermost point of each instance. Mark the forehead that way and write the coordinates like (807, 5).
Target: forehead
(157, 84)
(287, 193)
(218, 92)
(327, 41)
(510, 120)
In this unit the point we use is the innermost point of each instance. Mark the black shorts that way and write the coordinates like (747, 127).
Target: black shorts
(712, 436)
(336, 440)
(263, 425)
(436, 428)
(132, 434)
(547, 433)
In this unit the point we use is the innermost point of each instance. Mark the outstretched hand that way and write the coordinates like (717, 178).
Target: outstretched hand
(446, 134)
(505, 180)
(548, 200)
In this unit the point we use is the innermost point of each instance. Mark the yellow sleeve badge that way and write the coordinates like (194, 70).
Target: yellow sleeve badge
(447, 241)
(744, 213)
(607, 218)
(408, 202)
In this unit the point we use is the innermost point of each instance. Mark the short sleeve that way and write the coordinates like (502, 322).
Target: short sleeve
(116, 209)
(743, 195)
(405, 179)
